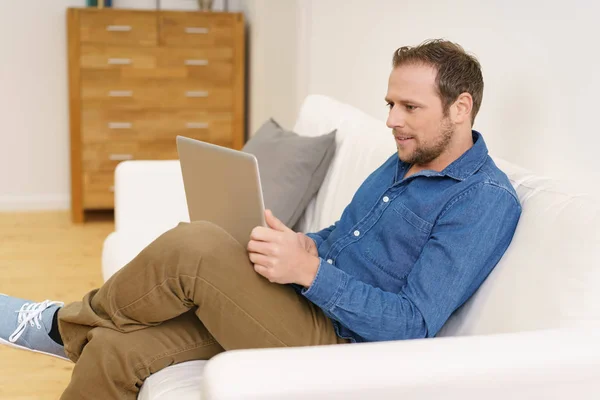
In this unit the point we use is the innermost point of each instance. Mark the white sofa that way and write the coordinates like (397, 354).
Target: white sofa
(530, 332)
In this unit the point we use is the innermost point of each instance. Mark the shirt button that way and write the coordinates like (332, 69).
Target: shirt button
(330, 261)
(386, 199)
(356, 233)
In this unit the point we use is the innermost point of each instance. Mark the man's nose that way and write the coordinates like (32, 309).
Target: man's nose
(395, 119)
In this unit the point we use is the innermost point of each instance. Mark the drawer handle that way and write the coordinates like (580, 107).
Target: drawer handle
(196, 62)
(197, 125)
(194, 30)
(120, 93)
(119, 61)
(119, 28)
(120, 157)
(120, 125)
(196, 93)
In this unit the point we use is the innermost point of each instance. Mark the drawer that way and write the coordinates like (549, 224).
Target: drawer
(100, 160)
(196, 29)
(107, 57)
(119, 27)
(113, 63)
(104, 157)
(211, 65)
(102, 92)
(98, 190)
(114, 125)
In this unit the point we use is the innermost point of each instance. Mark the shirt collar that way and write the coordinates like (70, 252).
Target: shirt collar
(461, 168)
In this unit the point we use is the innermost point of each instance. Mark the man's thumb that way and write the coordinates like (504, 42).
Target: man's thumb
(273, 222)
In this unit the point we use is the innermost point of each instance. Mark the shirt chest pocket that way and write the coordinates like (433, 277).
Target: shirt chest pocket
(395, 242)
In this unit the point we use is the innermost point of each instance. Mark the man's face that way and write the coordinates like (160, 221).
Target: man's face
(416, 116)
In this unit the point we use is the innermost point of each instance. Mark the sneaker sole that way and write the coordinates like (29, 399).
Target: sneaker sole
(16, 346)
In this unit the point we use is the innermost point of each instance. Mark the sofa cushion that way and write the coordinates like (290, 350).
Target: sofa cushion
(292, 168)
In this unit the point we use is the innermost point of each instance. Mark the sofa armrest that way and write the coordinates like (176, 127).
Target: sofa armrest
(149, 196)
(552, 364)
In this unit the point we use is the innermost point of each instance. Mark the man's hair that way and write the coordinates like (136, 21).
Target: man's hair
(457, 71)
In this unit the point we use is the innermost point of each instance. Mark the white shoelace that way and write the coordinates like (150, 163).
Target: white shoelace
(31, 314)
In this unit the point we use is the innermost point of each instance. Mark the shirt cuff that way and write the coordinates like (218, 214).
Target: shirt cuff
(316, 238)
(327, 287)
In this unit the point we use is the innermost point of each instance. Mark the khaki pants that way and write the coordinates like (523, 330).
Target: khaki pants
(189, 295)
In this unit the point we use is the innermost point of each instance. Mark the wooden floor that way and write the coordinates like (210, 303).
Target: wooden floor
(44, 256)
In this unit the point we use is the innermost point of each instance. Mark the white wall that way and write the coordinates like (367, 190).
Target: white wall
(34, 151)
(539, 58)
(276, 89)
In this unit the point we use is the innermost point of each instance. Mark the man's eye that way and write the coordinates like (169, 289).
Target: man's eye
(411, 108)
(389, 105)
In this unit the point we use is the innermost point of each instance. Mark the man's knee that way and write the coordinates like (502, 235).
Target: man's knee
(201, 228)
(193, 244)
(200, 236)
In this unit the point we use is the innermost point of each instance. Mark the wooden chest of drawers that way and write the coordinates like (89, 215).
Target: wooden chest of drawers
(137, 79)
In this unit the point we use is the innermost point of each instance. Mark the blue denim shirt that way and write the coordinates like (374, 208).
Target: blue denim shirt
(407, 252)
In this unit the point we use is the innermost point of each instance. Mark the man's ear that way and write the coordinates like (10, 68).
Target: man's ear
(462, 108)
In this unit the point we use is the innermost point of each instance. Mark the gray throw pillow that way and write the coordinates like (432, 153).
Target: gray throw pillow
(292, 168)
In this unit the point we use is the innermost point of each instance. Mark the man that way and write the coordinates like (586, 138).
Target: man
(419, 237)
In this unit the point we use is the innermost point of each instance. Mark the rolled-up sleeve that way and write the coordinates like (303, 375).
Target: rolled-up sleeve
(328, 285)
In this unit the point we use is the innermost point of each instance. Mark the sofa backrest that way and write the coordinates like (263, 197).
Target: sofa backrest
(549, 274)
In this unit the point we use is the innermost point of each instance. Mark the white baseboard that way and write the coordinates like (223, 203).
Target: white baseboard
(35, 202)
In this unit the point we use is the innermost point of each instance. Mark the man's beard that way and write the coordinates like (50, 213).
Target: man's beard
(426, 153)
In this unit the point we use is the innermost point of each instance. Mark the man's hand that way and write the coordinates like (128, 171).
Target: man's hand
(308, 244)
(282, 255)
